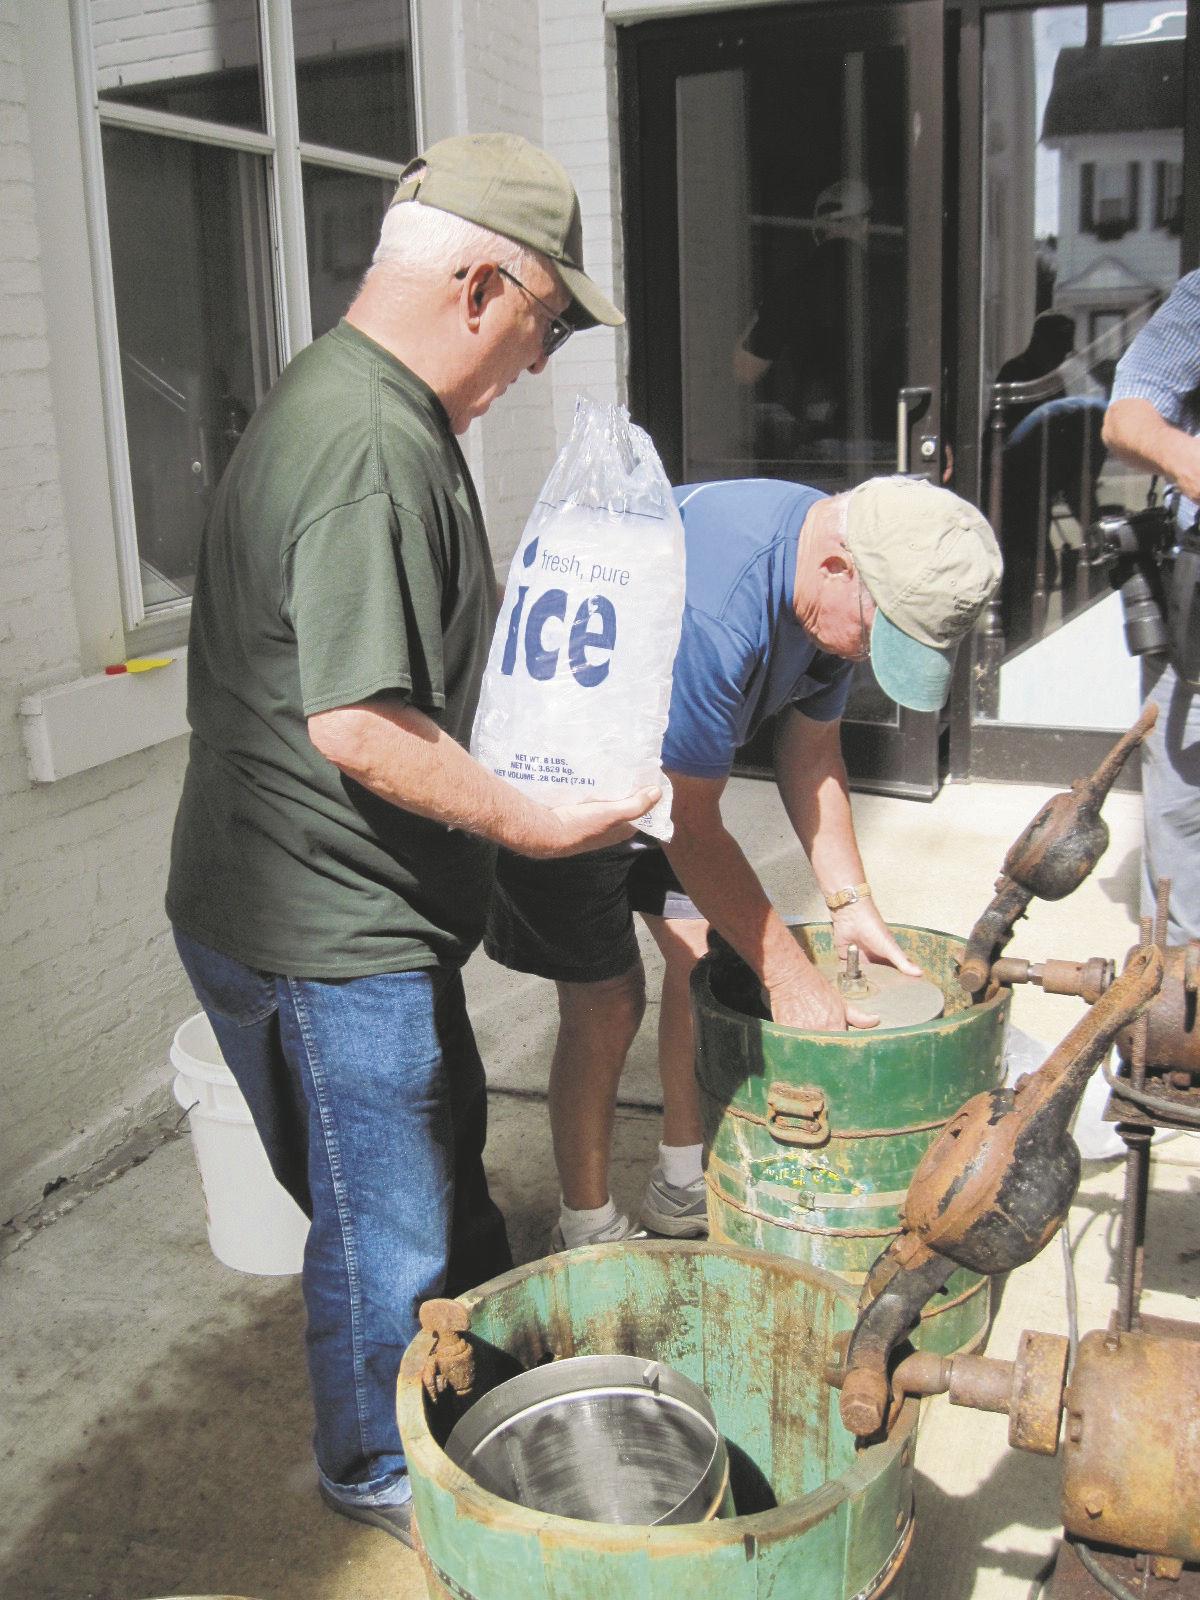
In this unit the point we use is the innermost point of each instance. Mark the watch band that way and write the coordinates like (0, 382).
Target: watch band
(849, 896)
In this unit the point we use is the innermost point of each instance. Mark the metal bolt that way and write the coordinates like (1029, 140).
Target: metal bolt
(928, 449)
(197, 469)
(853, 982)
(1093, 1502)
(864, 1402)
(1075, 1427)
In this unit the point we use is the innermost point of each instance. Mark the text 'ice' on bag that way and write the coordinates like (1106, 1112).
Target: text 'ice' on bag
(578, 683)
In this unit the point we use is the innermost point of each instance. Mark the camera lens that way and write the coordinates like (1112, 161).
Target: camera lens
(1145, 626)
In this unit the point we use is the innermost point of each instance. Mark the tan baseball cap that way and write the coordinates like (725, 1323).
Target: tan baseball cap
(930, 562)
(504, 183)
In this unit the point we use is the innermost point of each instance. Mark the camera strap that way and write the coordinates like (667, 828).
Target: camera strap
(1183, 602)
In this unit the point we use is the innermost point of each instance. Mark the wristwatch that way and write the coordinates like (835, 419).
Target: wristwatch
(848, 897)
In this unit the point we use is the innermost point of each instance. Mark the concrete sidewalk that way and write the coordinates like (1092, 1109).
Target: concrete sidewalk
(155, 1436)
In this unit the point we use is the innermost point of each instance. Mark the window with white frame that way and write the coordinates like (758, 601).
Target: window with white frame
(242, 153)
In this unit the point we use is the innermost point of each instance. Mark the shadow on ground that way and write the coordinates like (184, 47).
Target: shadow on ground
(1172, 1256)
(199, 1485)
(952, 1546)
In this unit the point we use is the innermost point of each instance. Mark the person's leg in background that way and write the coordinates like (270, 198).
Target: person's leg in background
(597, 1023)
(675, 1203)
(1171, 800)
(569, 921)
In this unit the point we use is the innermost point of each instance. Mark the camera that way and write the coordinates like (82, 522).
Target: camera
(1154, 564)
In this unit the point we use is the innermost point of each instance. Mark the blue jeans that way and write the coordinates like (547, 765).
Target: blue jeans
(1171, 800)
(369, 1096)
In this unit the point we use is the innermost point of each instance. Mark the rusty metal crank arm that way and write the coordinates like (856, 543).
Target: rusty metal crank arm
(989, 1193)
(1052, 857)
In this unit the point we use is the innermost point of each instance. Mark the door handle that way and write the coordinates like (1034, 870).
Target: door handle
(912, 398)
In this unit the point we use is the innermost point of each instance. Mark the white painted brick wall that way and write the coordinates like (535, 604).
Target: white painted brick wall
(89, 985)
(140, 41)
(503, 94)
(546, 70)
(580, 127)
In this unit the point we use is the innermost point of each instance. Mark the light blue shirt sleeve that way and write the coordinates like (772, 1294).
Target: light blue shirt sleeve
(1162, 365)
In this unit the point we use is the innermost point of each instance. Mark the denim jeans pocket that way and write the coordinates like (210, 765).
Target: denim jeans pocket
(226, 986)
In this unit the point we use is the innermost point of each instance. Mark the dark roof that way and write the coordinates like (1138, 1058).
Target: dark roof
(1116, 88)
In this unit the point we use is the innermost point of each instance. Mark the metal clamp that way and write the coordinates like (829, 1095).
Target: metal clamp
(797, 1114)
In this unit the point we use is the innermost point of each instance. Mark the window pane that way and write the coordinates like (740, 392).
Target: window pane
(794, 346)
(197, 58)
(354, 76)
(190, 255)
(342, 214)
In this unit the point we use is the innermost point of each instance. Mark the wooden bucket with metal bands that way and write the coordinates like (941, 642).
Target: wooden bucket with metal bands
(811, 1139)
(814, 1514)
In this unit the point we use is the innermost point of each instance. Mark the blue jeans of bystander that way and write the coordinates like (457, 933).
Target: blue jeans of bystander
(369, 1096)
(1171, 799)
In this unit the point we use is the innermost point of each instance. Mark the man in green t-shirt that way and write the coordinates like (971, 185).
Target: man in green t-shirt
(333, 851)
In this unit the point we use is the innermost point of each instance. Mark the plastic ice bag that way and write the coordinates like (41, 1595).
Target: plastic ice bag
(578, 684)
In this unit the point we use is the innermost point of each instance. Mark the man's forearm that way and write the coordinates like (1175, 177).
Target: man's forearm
(400, 754)
(1135, 431)
(710, 865)
(815, 790)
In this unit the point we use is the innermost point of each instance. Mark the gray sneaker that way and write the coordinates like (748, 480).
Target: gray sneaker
(611, 1233)
(679, 1213)
(396, 1520)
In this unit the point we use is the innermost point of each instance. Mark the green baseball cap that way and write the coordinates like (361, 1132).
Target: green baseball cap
(930, 562)
(504, 183)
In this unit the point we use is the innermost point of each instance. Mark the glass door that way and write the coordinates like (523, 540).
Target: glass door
(783, 194)
(1083, 202)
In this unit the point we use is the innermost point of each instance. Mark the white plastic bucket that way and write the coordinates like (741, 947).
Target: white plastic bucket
(254, 1225)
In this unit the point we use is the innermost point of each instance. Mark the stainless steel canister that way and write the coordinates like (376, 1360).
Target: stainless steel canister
(607, 1438)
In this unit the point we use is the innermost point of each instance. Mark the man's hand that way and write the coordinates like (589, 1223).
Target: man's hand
(583, 825)
(807, 1000)
(861, 924)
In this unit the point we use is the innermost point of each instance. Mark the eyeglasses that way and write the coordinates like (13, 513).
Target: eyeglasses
(863, 652)
(558, 330)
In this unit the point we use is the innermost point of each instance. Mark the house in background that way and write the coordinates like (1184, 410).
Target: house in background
(1115, 116)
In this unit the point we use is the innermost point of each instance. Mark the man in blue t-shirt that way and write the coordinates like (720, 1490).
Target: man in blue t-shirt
(786, 589)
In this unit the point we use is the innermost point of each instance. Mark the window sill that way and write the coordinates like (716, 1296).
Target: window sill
(73, 727)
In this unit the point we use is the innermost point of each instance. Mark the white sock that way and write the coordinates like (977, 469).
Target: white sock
(579, 1225)
(680, 1164)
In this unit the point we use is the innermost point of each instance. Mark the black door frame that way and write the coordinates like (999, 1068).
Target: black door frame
(966, 748)
(909, 757)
